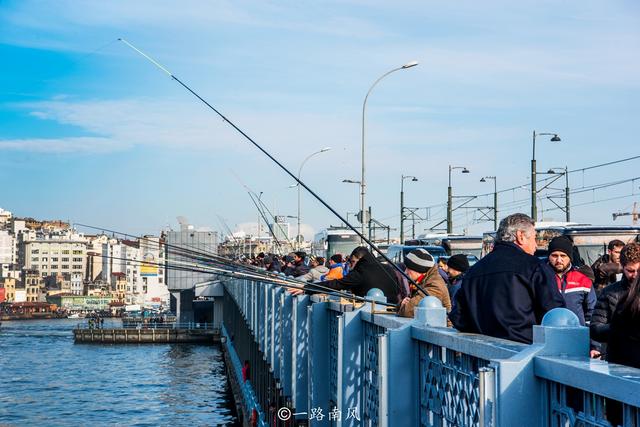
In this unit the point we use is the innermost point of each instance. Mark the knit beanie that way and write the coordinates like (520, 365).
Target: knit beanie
(419, 260)
(562, 244)
(458, 262)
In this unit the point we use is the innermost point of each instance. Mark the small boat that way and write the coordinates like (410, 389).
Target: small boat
(74, 316)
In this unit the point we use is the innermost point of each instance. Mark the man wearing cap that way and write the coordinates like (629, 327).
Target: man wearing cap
(576, 288)
(457, 266)
(422, 269)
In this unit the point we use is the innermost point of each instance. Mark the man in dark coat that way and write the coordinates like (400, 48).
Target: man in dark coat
(457, 266)
(509, 290)
(611, 295)
(365, 274)
(607, 268)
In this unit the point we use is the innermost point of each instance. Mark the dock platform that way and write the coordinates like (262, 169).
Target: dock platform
(191, 333)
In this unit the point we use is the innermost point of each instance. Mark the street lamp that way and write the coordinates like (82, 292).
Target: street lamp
(554, 138)
(353, 181)
(495, 199)
(413, 179)
(325, 149)
(364, 106)
(450, 198)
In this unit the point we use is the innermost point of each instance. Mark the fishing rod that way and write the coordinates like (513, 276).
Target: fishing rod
(287, 171)
(276, 280)
(256, 272)
(253, 196)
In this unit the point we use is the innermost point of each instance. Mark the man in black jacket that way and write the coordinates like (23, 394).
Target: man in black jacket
(607, 268)
(609, 297)
(365, 274)
(508, 291)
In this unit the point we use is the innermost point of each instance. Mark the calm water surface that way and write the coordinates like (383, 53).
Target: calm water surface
(47, 380)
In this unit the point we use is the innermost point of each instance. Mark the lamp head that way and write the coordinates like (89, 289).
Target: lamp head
(414, 179)
(325, 149)
(555, 138)
(410, 64)
(465, 170)
(483, 180)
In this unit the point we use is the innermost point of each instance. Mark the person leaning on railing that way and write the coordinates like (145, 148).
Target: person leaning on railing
(509, 290)
(422, 269)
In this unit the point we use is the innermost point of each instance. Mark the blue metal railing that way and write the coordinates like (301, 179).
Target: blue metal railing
(381, 370)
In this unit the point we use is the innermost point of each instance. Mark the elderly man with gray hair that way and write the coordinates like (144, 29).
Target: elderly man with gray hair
(509, 290)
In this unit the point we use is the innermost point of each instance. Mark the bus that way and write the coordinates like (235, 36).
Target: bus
(397, 253)
(453, 244)
(590, 240)
(335, 240)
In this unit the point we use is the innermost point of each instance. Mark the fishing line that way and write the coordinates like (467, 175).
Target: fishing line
(257, 278)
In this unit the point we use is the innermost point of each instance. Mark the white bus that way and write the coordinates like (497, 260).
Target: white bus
(334, 240)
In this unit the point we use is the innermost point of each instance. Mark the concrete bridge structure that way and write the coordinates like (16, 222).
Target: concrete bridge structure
(317, 361)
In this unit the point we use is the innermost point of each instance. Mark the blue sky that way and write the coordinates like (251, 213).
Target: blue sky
(91, 132)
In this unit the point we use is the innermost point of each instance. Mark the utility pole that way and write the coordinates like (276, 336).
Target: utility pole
(566, 194)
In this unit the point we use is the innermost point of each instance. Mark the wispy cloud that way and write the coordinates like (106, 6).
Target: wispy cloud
(63, 145)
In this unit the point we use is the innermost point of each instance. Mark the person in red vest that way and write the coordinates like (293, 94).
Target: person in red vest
(576, 288)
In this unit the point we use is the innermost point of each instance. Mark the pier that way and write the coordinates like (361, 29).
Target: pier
(316, 361)
(153, 334)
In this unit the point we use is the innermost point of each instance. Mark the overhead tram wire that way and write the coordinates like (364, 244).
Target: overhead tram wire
(287, 171)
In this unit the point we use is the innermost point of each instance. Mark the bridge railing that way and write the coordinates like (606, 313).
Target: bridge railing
(342, 364)
(141, 325)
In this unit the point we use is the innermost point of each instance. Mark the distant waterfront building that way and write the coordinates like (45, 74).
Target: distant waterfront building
(118, 285)
(112, 259)
(95, 259)
(34, 285)
(184, 284)
(58, 256)
(5, 217)
(280, 228)
(152, 272)
(81, 302)
(7, 246)
(9, 285)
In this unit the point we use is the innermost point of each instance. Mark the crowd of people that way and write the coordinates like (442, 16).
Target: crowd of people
(505, 293)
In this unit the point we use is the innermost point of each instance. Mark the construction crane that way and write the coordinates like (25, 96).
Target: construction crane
(634, 214)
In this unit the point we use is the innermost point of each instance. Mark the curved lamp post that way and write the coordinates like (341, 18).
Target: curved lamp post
(364, 106)
(534, 191)
(325, 149)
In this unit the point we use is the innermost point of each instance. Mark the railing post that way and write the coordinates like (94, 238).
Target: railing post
(487, 394)
(430, 312)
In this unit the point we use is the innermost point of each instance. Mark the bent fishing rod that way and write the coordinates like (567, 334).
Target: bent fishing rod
(264, 218)
(287, 171)
(276, 280)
